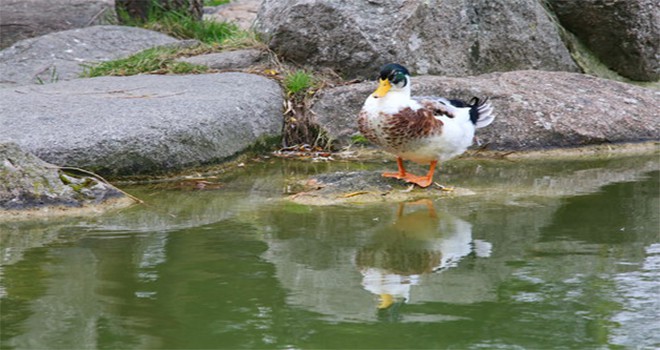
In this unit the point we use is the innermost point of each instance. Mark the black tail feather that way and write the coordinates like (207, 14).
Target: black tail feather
(473, 104)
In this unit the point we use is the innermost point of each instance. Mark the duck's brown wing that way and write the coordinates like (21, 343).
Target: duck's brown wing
(409, 125)
(440, 106)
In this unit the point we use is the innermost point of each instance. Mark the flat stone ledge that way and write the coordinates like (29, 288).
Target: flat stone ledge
(364, 187)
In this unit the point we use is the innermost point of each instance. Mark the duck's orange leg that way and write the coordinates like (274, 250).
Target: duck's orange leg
(421, 181)
(401, 174)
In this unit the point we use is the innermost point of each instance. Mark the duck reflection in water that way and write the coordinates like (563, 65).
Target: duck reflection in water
(420, 242)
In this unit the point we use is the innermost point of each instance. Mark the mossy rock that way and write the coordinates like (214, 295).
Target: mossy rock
(27, 183)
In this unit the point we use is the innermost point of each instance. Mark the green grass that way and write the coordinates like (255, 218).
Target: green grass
(53, 77)
(178, 24)
(156, 61)
(359, 140)
(182, 25)
(298, 82)
(215, 2)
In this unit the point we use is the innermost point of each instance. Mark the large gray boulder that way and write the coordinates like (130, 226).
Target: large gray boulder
(534, 109)
(62, 55)
(625, 35)
(27, 182)
(23, 19)
(442, 37)
(142, 124)
(240, 12)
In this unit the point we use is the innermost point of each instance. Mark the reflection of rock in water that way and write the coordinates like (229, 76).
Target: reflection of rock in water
(417, 243)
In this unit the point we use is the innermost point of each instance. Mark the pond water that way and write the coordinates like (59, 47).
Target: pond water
(544, 254)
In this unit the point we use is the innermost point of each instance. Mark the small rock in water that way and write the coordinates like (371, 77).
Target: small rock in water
(364, 187)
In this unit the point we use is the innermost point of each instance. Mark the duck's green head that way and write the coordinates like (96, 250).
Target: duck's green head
(392, 76)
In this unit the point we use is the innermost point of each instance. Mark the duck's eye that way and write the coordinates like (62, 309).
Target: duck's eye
(398, 78)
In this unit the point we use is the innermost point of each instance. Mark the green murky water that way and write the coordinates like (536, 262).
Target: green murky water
(546, 254)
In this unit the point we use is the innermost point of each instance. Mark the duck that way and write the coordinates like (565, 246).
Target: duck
(424, 129)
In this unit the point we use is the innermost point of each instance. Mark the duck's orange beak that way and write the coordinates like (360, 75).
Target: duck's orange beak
(383, 87)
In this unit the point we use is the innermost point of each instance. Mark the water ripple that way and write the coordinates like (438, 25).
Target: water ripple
(640, 295)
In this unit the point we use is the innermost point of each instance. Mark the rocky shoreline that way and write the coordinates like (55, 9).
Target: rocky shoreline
(155, 125)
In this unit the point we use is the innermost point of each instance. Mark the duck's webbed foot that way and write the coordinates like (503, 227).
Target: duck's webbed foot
(421, 181)
(401, 174)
